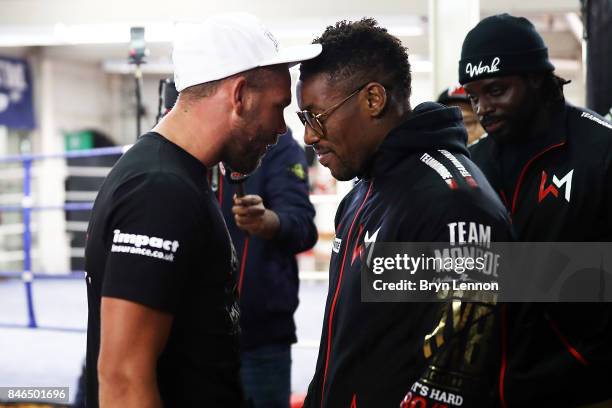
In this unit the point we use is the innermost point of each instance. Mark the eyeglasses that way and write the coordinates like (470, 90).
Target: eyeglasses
(316, 121)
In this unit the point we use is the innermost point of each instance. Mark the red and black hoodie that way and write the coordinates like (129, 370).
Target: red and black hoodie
(558, 187)
(418, 182)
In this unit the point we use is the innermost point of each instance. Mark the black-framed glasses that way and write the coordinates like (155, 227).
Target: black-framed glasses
(316, 121)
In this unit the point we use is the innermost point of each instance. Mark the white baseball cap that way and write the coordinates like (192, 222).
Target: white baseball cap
(226, 44)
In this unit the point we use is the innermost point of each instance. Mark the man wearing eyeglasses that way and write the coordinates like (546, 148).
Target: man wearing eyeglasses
(417, 184)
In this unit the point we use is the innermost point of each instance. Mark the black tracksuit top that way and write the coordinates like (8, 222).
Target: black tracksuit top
(563, 188)
(418, 182)
(557, 188)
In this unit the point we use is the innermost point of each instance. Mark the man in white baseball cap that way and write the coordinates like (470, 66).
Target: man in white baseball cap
(233, 65)
(163, 313)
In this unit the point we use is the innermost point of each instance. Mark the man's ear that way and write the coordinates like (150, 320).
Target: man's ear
(376, 98)
(238, 92)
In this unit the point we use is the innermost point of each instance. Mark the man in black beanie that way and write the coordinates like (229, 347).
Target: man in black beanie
(551, 163)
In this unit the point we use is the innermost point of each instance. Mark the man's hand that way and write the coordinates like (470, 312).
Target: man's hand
(252, 217)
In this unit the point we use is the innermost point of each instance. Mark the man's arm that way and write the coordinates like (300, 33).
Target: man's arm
(286, 194)
(131, 339)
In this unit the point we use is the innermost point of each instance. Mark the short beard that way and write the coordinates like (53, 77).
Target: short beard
(238, 157)
(343, 176)
(238, 154)
(345, 172)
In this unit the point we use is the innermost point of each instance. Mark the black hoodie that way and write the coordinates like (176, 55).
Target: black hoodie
(557, 354)
(418, 183)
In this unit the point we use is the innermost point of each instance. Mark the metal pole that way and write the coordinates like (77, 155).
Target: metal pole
(27, 239)
(599, 55)
(138, 77)
(449, 22)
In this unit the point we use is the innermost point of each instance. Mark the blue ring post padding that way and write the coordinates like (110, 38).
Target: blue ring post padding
(27, 238)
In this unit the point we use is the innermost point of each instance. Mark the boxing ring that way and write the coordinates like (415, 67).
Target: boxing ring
(62, 293)
(27, 208)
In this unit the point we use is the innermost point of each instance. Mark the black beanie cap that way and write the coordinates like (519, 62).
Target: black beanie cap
(502, 45)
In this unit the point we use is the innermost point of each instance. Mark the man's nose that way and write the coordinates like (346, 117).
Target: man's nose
(484, 107)
(310, 136)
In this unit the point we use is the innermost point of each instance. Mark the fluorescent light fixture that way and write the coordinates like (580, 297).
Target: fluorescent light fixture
(161, 32)
(76, 34)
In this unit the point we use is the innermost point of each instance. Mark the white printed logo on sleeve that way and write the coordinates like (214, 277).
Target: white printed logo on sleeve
(145, 245)
(336, 245)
